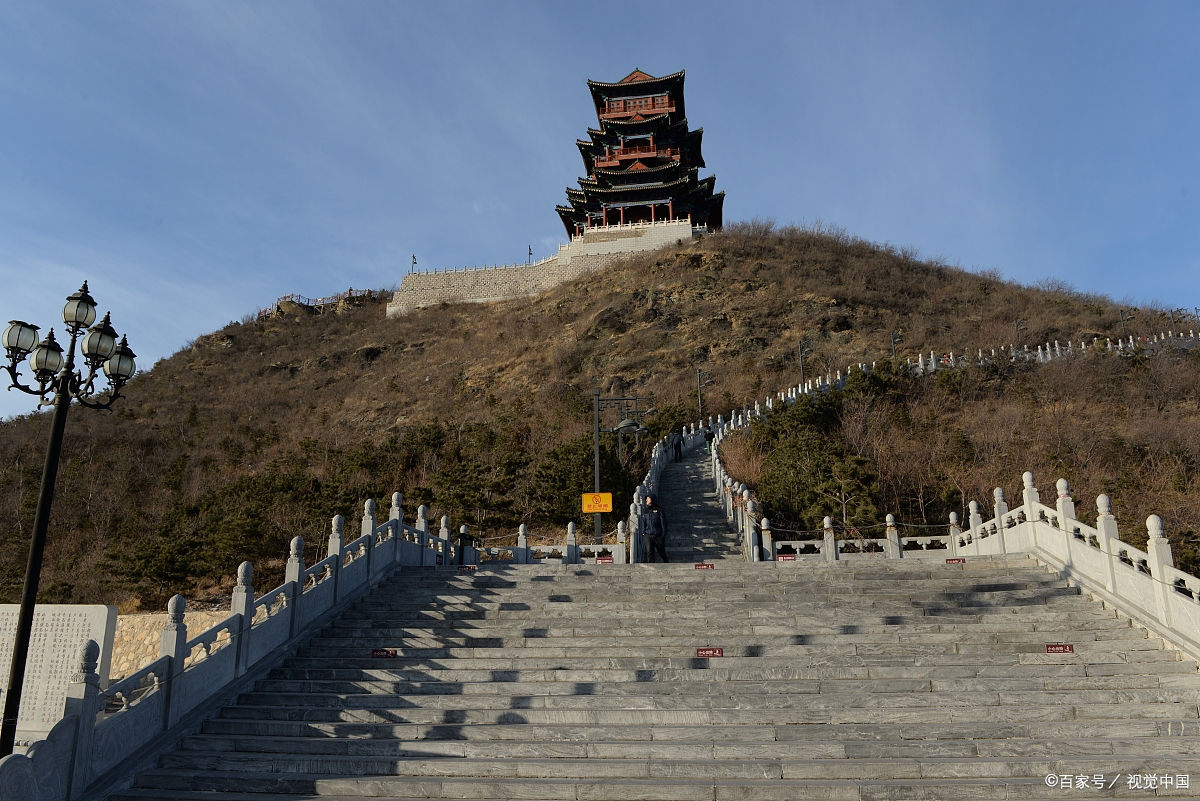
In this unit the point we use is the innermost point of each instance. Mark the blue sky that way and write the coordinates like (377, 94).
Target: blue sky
(195, 160)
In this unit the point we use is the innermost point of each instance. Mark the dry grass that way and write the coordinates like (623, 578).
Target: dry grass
(318, 393)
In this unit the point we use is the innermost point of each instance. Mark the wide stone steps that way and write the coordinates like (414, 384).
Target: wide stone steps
(881, 681)
(628, 748)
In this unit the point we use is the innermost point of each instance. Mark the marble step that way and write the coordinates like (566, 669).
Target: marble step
(699, 749)
(655, 789)
(891, 694)
(926, 713)
(743, 689)
(1159, 731)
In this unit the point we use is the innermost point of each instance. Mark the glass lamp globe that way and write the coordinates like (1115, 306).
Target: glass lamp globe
(121, 367)
(20, 338)
(80, 310)
(46, 359)
(100, 342)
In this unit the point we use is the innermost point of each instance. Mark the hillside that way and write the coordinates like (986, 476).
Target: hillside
(263, 430)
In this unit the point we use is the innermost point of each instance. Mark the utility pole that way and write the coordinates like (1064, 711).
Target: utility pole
(896, 339)
(803, 348)
(703, 379)
(1125, 316)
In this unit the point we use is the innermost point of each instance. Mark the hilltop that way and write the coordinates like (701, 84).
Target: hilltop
(264, 429)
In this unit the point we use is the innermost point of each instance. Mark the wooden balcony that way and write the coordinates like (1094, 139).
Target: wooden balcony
(613, 158)
(617, 109)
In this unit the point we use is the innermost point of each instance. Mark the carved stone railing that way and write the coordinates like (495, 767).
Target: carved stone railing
(103, 733)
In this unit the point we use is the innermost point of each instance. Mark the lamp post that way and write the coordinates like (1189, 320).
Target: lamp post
(630, 423)
(803, 348)
(58, 383)
(896, 340)
(703, 379)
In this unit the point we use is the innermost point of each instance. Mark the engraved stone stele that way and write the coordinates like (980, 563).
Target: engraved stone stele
(59, 631)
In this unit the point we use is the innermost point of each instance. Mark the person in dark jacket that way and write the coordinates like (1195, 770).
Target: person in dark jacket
(709, 436)
(677, 445)
(653, 525)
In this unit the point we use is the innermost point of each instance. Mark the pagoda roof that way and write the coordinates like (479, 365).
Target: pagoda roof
(636, 84)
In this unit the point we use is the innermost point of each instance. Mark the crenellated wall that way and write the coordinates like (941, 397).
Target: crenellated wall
(595, 249)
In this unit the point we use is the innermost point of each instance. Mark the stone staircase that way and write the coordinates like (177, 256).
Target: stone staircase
(869, 679)
(697, 529)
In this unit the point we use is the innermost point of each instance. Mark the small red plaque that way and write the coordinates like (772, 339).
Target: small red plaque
(785, 557)
(604, 560)
(704, 566)
(384, 653)
(466, 568)
(958, 560)
(708, 653)
(1059, 648)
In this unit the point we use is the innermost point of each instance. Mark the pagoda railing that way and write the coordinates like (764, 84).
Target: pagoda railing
(621, 108)
(612, 157)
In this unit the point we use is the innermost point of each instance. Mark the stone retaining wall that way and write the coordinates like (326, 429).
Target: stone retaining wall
(595, 249)
(139, 638)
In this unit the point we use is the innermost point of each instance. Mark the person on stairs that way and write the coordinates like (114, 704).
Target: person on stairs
(653, 525)
(677, 444)
(709, 436)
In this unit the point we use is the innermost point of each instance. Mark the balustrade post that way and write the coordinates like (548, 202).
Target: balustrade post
(1001, 511)
(83, 701)
(396, 516)
(444, 536)
(768, 540)
(521, 556)
(294, 577)
(174, 645)
(753, 544)
(1160, 558)
(895, 549)
(571, 550)
(1066, 507)
(623, 542)
(368, 531)
(337, 536)
(1029, 496)
(423, 536)
(1106, 532)
(242, 605)
(830, 547)
(976, 523)
(955, 533)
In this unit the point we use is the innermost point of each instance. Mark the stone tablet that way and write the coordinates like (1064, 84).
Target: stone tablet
(58, 632)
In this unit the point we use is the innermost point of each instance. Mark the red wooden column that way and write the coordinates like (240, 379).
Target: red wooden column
(671, 210)
(622, 215)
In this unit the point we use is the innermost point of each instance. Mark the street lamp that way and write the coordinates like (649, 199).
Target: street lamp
(630, 423)
(58, 383)
(703, 379)
(896, 340)
(803, 348)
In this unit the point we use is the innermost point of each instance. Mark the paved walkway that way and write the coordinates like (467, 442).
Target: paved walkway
(698, 531)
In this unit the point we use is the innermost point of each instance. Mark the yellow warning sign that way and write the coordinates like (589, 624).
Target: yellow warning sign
(597, 502)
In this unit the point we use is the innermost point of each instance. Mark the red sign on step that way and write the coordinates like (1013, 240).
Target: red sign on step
(708, 653)
(604, 560)
(1059, 648)
(704, 566)
(466, 568)
(384, 653)
(958, 560)
(785, 557)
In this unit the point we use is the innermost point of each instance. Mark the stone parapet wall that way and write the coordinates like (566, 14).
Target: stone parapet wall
(593, 250)
(139, 638)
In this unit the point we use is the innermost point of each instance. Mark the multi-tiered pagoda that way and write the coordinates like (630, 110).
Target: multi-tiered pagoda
(642, 163)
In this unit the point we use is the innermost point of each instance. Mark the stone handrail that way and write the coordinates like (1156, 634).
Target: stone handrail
(104, 732)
